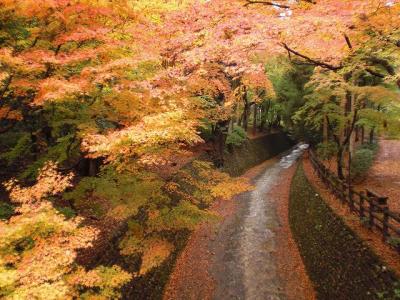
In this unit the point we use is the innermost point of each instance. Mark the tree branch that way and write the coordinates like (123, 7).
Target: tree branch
(346, 37)
(350, 131)
(372, 72)
(9, 80)
(335, 137)
(384, 63)
(249, 2)
(311, 60)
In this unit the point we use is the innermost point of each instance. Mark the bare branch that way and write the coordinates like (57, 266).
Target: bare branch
(346, 37)
(249, 2)
(372, 72)
(311, 60)
(274, 3)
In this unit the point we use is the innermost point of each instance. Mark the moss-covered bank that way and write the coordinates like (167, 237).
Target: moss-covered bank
(253, 152)
(339, 264)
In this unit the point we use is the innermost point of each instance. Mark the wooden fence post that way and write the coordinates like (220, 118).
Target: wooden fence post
(343, 191)
(361, 206)
(351, 200)
(376, 203)
(371, 213)
(385, 223)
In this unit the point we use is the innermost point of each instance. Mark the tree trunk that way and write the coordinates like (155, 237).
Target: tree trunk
(245, 117)
(246, 109)
(371, 135)
(238, 115)
(221, 130)
(261, 126)
(231, 125)
(239, 123)
(352, 127)
(340, 163)
(357, 134)
(325, 131)
(93, 167)
(34, 146)
(362, 135)
(264, 115)
(255, 119)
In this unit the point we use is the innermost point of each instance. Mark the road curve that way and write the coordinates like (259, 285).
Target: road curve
(236, 258)
(244, 266)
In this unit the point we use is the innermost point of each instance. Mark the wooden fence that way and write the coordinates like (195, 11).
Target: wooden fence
(371, 208)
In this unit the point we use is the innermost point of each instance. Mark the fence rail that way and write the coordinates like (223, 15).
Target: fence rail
(370, 207)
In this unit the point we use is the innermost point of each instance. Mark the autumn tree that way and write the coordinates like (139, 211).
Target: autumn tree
(132, 87)
(71, 57)
(356, 89)
(39, 247)
(342, 106)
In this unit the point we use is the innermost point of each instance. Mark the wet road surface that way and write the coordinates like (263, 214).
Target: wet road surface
(244, 265)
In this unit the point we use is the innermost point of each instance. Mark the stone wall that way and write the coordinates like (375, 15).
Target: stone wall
(253, 152)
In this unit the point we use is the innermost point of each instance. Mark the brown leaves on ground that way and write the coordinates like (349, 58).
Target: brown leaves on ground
(290, 265)
(191, 277)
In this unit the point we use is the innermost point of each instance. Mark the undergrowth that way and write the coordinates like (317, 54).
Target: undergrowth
(362, 160)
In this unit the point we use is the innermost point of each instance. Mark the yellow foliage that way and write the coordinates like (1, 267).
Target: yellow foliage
(108, 280)
(169, 128)
(154, 249)
(38, 246)
(49, 183)
(226, 190)
(155, 253)
(211, 183)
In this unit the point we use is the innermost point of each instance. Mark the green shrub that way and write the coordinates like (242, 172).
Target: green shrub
(10, 139)
(21, 149)
(237, 137)
(206, 132)
(373, 147)
(6, 211)
(326, 150)
(362, 160)
(68, 212)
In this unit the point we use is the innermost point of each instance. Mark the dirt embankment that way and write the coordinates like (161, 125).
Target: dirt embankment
(292, 270)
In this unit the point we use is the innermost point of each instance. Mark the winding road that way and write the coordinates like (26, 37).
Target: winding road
(244, 267)
(242, 264)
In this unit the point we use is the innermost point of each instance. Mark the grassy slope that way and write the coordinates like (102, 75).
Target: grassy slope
(337, 261)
